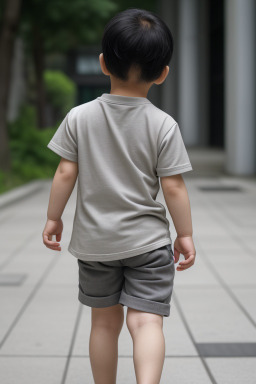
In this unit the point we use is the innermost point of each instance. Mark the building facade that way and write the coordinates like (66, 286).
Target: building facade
(212, 84)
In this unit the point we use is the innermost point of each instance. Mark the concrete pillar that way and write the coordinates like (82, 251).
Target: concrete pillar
(240, 101)
(203, 131)
(17, 94)
(188, 47)
(168, 10)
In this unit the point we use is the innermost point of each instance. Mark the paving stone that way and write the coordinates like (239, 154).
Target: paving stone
(212, 309)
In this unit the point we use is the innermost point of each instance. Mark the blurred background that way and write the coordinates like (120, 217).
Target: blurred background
(48, 64)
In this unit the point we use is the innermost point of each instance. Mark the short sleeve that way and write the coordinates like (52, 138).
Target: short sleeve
(172, 156)
(64, 141)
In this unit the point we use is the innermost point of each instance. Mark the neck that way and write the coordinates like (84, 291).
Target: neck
(129, 88)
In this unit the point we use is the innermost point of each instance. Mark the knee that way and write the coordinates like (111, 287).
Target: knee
(111, 319)
(136, 319)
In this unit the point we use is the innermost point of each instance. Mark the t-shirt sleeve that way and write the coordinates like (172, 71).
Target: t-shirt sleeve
(172, 156)
(64, 141)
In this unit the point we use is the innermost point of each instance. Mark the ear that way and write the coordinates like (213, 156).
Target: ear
(163, 75)
(103, 65)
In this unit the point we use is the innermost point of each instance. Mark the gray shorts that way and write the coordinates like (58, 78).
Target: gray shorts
(143, 282)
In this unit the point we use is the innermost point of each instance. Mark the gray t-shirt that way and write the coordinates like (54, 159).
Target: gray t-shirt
(122, 145)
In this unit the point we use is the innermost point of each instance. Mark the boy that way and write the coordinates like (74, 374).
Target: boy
(121, 144)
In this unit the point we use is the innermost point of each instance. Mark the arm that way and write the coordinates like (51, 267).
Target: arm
(177, 201)
(178, 204)
(62, 186)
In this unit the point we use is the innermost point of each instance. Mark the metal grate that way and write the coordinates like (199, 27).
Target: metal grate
(226, 349)
(220, 188)
(12, 279)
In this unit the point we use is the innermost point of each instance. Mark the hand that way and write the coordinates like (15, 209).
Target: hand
(52, 228)
(185, 246)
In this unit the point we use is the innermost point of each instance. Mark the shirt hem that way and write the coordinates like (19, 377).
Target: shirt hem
(120, 255)
(179, 169)
(62, 152)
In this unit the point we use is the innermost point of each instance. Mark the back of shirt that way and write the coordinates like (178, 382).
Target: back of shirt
(122, 145)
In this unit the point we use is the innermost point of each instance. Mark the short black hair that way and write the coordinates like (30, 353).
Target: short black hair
(137, 37)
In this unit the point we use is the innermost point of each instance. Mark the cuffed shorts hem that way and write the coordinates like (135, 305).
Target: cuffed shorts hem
(99, 302)
(124, 299)
(145, 305)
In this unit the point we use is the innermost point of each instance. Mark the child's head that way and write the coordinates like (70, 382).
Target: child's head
(137, 39)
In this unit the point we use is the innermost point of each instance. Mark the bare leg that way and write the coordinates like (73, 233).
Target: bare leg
(146, 330)
(103, 345)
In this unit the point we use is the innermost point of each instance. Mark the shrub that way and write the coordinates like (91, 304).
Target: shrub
(30, 157)
(29, 153)
(60, 92)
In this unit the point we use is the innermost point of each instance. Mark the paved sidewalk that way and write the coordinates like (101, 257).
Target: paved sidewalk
(210, 334)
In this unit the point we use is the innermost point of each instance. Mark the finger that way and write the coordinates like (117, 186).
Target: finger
(187, 261)
(58, 237)
(183, 267)
(50, 243)
(49, 246)
(53, 248)
(176, 255)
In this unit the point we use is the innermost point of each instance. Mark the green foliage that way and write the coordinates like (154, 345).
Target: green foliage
(60, 91)
(29, 153)
(64, 24)
(2, 178)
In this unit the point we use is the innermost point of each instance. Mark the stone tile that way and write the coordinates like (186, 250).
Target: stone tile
(80, 371)
(177, 339)
(17, 230)
(248, 220)
(245, 230)
(67, 264)
(237, 272)
(209, 230)
(213, 316)
(198, 274)
(220, 244)
(234, 255)
(12, 279)
(5, 254)
(246, 295)
(30, 370)
(184, 370)
(173, 371)
(11, 247)
(81, 342)
(33, 268)
(233, 370)
(11, 302)
(47, 325)
(224, 227)
(249, 240)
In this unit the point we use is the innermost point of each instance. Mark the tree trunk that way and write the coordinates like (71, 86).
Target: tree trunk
(38, 57)
(10, 24)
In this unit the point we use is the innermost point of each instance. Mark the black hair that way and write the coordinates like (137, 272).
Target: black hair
(137, 38)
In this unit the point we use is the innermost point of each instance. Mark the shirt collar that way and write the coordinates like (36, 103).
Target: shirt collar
(120, 99)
